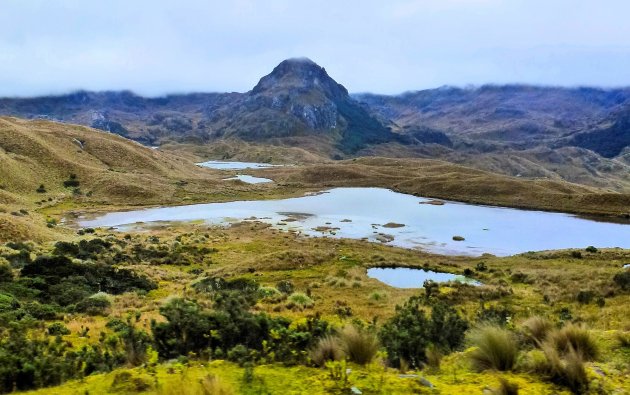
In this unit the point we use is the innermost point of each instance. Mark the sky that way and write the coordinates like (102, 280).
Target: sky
(155, 47)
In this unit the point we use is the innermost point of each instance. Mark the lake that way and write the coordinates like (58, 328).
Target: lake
(223, 165)
(249, 179)
(403, 277)
(381, 215)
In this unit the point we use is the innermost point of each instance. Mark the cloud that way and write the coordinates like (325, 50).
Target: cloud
(156, 47)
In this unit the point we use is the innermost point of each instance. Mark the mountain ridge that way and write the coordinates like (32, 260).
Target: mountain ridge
(299, 105)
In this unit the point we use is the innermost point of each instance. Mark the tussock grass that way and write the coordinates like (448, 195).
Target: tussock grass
(575, 338)
(359, 345)
(328, 348)
(537, 328)
(496, 348)
(567, 370)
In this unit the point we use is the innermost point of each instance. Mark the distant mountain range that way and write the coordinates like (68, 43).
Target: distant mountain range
(579, 134)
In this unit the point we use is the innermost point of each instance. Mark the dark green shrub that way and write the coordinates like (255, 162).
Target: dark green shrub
(591, 249)
(41, 311)
(6, 274)
(71, 182)
(94, 305)
(481, 267)
(623, 279)
(407, 334)
(585, 297)
(576, 254)
(285, 286)
(41, 189)
(499, 315)
(58, 329)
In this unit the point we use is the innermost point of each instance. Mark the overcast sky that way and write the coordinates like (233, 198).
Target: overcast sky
(388, 46)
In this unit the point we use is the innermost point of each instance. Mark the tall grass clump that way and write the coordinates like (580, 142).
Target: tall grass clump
(575, 338)
(359, 345)
(328, 348)
(567, 370)
(496, 348)
(536, 329)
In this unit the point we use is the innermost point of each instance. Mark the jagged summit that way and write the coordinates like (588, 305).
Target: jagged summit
(303, 74)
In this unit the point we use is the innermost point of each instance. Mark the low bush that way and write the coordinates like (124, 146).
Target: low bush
(58, 329)
(496, 348)
(623, 280)
(300, 300)
(93, 305)
(409, 332)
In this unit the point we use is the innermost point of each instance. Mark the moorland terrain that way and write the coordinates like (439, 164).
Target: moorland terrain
(194, 308)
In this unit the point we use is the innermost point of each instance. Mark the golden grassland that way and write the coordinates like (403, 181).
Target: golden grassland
(115, 173)
(334, 271)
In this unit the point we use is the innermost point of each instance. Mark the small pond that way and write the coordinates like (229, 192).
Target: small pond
(403, 277)
(249, 179)
(384, 216)
(222, 165)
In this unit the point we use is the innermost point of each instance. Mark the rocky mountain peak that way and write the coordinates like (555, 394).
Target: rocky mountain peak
(300, 74)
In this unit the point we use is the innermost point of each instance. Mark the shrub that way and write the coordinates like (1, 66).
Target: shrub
(585, 297)
(41, 189)
(301, 300)
(591, 249)
(93, 305)
(270, 294)
(359, 345)
(496, 348)
(623, 339)
(537, 329)
(285, 286)
(407, 334)
(6, 274)
(71, 182)
(499, 315)
(576, 254)
(327, 349)
(574, 338)
(58, 329)
(377, 296)
(623, 279)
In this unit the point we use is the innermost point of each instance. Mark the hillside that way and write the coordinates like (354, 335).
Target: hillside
(48, 167)
(298, 113)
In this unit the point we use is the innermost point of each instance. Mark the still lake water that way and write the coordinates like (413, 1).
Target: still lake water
(403, 277)
(249, 179)
(222, 165)
(360, 213)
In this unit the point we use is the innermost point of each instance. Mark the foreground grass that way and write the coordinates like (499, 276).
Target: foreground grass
(332, 274)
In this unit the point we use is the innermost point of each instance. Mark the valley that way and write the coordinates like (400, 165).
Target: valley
(444, 241)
